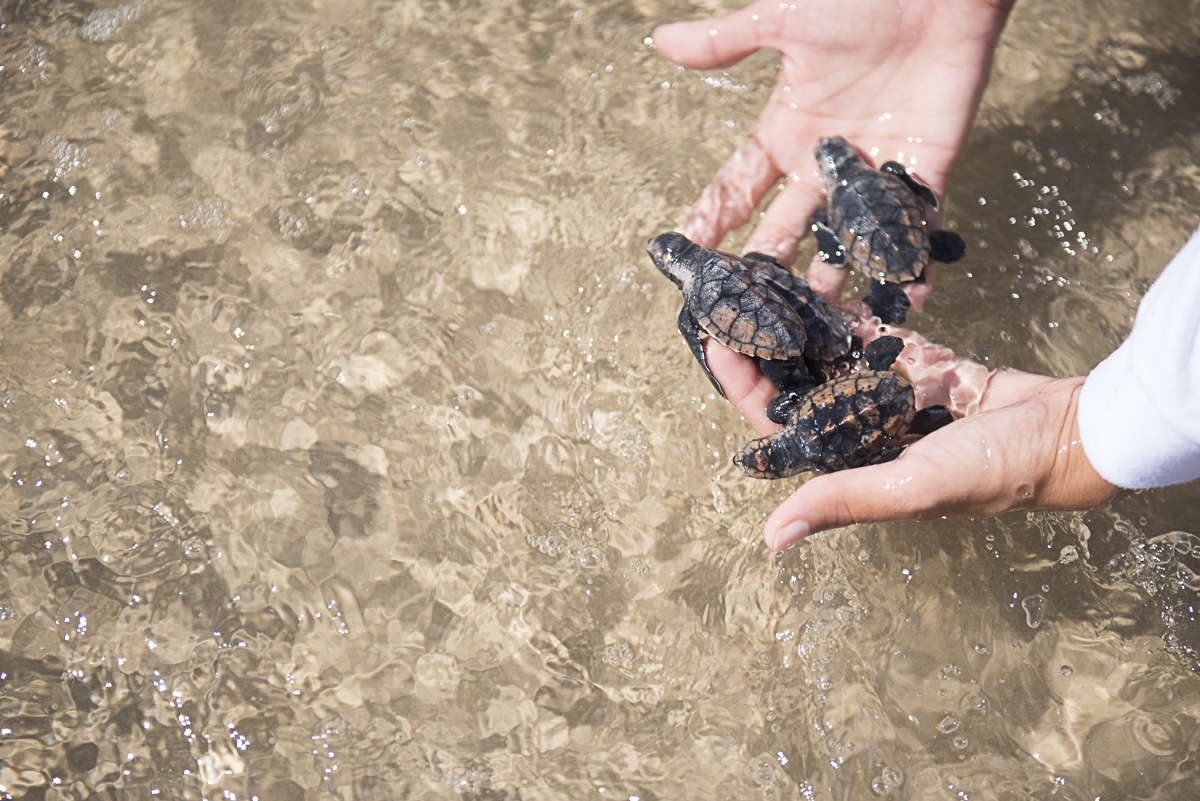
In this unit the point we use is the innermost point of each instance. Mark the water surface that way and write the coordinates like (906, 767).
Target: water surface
(350, 449)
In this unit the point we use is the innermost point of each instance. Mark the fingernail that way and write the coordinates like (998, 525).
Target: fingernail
(785, 535)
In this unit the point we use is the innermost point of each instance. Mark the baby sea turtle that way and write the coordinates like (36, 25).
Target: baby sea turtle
(875, 222)
(851, 422)
(726, 298)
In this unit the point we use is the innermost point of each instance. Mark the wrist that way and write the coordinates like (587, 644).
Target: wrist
(1074, 482)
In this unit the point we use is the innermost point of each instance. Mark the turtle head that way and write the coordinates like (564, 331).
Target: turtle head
(834, 157)
(669, 252)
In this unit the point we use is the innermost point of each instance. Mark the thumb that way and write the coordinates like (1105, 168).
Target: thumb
(909, 488)
(711, 43)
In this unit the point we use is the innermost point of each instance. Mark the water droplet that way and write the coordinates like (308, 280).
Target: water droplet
(961, 742)
(1067, 671)
(981, 649)
(949, 725)
(1045, 588)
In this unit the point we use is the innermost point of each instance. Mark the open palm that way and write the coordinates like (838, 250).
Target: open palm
(900, 79)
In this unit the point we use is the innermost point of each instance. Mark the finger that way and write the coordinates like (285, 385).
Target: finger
(905, 489)
(744, 383)
(734, 193)
(826, 279)
(708, 44)
(786, 220)
(917, 292)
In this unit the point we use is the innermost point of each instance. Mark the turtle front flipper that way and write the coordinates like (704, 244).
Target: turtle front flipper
(946, 246)
(888, 302)
(780, 409)
(829, 248)
(787, 453)
(691, 335)
(921, 190)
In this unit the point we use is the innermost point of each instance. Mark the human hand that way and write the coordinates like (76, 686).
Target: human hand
(1016, 446)
(892, 77)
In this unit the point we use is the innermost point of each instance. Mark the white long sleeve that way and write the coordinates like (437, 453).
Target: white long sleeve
(1139, 412)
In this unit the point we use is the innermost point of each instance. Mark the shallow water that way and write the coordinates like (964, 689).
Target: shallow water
(350, 447)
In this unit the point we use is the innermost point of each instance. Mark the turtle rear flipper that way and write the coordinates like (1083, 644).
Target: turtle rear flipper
(691, 335)
(946, 246)
(930, 419)
(921, 190)
(829, 248)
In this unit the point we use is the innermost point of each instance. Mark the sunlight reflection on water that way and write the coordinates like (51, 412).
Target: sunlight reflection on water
(350, 446)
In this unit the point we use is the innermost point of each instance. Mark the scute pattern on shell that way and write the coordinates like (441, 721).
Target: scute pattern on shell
(882, 226)
(827, 335)
(851, 422)
(734, 307)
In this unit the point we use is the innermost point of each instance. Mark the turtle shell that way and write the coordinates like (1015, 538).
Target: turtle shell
(737, 307)
(847, 423)
(881, 224)
(827, 336)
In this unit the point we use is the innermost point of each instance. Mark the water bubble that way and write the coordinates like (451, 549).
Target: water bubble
(948, 671)
(1045, 588)
(949, 725)
(1033, 606)
(590, 558)
(762, 770)
(973, 705)
(193, 548)
(981, 648)
(961, 742)
(1067, 670)
(888, 780)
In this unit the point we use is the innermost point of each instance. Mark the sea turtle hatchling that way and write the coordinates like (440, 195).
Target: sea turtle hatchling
(875, 221)
(727, 299)
(855, 421)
